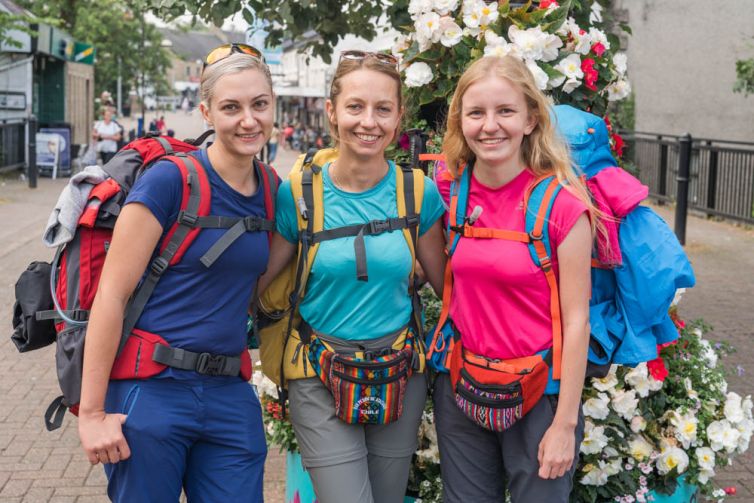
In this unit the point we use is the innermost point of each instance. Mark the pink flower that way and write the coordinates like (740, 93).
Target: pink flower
(657, 369)
(544, 4)
(598, 49)
(590, 74)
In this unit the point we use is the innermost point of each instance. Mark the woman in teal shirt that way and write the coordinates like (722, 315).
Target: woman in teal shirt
(360, 463)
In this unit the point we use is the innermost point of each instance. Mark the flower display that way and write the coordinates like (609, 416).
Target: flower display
(641, 432)
(564, 44)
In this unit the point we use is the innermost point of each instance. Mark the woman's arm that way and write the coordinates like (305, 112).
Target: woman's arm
(135, 237)
(431, 254)
(281, 252)
(557, 448)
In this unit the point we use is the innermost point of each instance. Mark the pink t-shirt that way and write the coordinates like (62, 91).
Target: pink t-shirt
(501, 300)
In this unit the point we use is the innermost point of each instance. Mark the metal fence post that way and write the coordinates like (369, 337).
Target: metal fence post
(32, 146)
(682, 198)
(712, 179)
(662, 181)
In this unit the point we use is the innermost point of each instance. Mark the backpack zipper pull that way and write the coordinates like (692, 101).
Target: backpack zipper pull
(302, 208)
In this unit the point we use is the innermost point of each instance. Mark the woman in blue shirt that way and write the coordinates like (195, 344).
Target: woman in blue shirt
(184, 428)
(361, 463)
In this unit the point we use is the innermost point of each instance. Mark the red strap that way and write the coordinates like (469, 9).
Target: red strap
(99, 194)
(469, 231)
(431, 157)
(205, 200)
(269, 195)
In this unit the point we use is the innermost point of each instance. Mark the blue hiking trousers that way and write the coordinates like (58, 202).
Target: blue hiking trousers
(203, 435)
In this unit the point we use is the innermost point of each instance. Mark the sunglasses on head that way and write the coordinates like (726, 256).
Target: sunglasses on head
(354, 55)
(225, 50)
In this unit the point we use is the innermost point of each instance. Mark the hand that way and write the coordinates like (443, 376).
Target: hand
(556, 451)
(102, 437)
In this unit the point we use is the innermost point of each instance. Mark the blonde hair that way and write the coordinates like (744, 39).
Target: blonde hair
(543, 151)
(346, 66)
(235, 63)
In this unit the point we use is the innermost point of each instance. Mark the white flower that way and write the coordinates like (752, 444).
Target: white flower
(489, 14)
(265, 387)
(654, 384)
(595, 475)
(745, 429)
(450, 32)
(418, 7)
(598, 37)
(444, 7)
(723, 436)
(638, 423)
(639, 448)
(596, 15)
(540, 77)
(614, 466)
(618, 90)
(708, 353)
(746, 405)
(472, 32)
(534, 44)
(705, 476)
(625, 404)
(597, 407)
(706, 458)
(732, 410)
(620, 60)
(638, 379)
(472, 13)
(608, 382)
(685, 428)
(594, 438)
(570, 66)
(672, 457)
(418, 74)
(428, 26)
(579, 40)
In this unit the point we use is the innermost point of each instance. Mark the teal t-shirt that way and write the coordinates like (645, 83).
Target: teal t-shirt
(336, 303)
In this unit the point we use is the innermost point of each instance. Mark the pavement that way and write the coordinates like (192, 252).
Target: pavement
(41, 466)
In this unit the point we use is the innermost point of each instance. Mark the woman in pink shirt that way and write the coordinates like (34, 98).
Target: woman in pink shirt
(499, 128)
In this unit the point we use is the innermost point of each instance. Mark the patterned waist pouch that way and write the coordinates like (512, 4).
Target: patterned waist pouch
(368, 385)
(496, 393)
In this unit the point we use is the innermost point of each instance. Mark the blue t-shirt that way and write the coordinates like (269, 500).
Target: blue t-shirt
(194, 307)
(336, 302)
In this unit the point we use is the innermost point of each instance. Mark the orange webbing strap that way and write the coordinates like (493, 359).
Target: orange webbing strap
(546, 265)
(431, 157)
(470, 231)
(448, 281)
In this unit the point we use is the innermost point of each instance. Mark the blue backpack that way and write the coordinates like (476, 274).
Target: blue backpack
(630, 299)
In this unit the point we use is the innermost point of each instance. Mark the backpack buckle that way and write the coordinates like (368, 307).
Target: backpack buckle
(159, 265)
(252, 224)
(187, 219)
(412, 220)
(210, 364)
(379, 226)
(535, 237)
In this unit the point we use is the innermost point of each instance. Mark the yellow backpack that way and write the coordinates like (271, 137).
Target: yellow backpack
(284, 356)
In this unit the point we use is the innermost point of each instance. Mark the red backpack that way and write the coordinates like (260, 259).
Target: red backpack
(73, 277)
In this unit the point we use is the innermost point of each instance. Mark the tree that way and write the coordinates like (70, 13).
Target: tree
(116, 29)
(330, 19)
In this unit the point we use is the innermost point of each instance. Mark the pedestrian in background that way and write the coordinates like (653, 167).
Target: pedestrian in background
(107, 133)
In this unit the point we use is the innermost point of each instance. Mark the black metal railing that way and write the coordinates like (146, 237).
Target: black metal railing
(721, 173)
(12, 144)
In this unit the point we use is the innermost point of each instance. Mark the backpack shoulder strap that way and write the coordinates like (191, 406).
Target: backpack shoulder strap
(538, 202)
(195, 203)
(269, 180)
(409, 192)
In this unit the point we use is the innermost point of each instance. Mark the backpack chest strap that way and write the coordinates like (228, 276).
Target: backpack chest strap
(469, 231)
(371, 228)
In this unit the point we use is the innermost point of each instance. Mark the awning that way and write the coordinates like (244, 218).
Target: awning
(304, 92)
